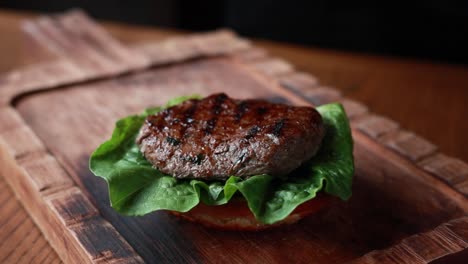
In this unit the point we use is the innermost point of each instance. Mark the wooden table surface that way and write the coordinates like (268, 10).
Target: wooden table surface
(426, 98)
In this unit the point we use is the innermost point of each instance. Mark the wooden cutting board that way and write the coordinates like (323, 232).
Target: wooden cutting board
(409, 201)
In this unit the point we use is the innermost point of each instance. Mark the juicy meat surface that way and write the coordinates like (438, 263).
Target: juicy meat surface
(216, 137)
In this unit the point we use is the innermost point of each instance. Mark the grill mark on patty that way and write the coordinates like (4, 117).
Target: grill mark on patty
(210, 124)
(252, 132)
(240, 110)
(262, 110)
(215, 111)
(182, 148)
(187, 115)
(172, 141)
(219, 100)
(259, 112)
(276, 129)
(160, 125)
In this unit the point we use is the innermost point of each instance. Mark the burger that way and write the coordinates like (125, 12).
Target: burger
(228, 163)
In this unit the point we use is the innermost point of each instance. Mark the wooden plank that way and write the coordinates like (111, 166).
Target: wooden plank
(451, 170)
(152, 235)
(31, 78)
(150, 82)
(22, 246)
(425, 247)
(37, 35)
(20, 225)
(9, 119)
(102, 41)
(409, 212)
(19, 140)
(308, 87)
(436, 243)
(83, 54)
(66, 240)
(182, 48)
(94, 50)
(102, 243)
(34, 175)
(221, 42)
(299, 82)
(97, 55)
(250, 54)
(169, 51)
(408, 144)
(323, 95)
(377, 216)
(72, 206)
(36, 252)
(28, 247)
(459, 227)
(462, 187)
(398, 254)
(412, 169)
(375, 126)
(354, 109)
(272, 66)
(419, 248)
(45, 173)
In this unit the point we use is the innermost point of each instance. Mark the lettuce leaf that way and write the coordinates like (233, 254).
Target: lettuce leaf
(136, 188)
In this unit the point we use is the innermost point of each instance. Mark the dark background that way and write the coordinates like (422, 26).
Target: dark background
(430, 30)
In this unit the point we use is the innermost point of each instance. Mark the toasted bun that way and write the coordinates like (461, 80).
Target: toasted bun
(236, 215)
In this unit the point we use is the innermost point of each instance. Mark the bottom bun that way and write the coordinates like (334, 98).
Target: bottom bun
(236, 215)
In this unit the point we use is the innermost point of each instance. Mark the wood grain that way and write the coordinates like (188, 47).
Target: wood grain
(299, 82)
(47, 175)
(386, 217)
(353, 108)
(97, 55)
(385, 157)
(451, 170)
(375, 126)
(408, 144)
(20, 239)
(426, 247)
(32, 185)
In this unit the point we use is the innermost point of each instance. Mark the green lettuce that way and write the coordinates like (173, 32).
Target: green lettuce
(136, 188)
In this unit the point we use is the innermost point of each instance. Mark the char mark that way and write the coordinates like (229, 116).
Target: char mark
(197, 159)
(240, 110)
(215, 110)
(276, 130)
(173, 141)
(154, 123)
(188, 117)
(210, 125)
(262, 110)
(219, 100)
(188, 114)
(252, 132)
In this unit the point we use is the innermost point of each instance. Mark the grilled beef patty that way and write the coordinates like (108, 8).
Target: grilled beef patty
(216, 137)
